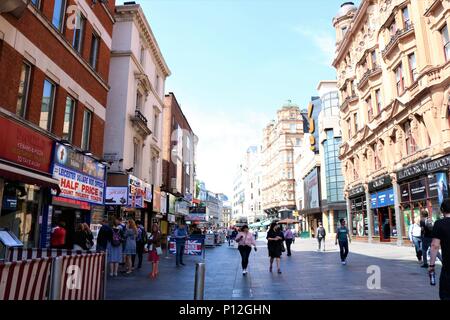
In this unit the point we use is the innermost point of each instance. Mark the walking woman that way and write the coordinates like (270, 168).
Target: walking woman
(80, 239)
(245, 242)
(130, 244)
(114, 248)
(275, 240)
(89, 236)
(155, 249)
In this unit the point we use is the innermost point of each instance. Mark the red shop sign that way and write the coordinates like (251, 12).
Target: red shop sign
(24, 146)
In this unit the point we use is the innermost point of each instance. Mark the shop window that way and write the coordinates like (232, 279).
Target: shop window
(59, 10)
(24, 88)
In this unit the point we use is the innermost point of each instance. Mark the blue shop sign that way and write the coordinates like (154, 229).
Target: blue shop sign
(383, 198)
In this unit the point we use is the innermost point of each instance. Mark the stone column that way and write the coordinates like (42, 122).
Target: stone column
(349, 215)
(398, 214)
(332, 222)
(369, 215)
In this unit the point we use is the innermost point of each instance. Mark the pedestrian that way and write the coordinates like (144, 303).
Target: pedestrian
(427, 236)
(58, 236)
(441, 239)
(180, 235)
(104, 236)
(114, 248)
(154, 249)
(233, 235)
(321, 233)
(141, 240)
(415, 236)
(256, 234)
(245, 242)
(229, 233)
(288, 237)
(275, 240)
(130, 245)
(343, 236)
(89, 236)
(80, 238)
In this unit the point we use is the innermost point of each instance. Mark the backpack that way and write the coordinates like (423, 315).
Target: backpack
(116, 238)
(142, 235)
(429, 224)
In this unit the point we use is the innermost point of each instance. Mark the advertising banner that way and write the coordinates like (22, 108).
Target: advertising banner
(193, 247)
(311, 187)
(25, 146)
(136, 192)
(196, 217)
(78, 186)
(418, 190)
(438, 186)
(116, 196)
(404, 192)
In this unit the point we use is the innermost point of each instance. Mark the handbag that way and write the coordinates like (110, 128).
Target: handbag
(283, 249)
(158, 251)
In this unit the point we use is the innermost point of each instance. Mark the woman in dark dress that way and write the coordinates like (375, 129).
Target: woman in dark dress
(275, 240)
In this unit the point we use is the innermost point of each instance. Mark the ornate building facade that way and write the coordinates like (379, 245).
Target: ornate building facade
(393, 70)
(280, 138)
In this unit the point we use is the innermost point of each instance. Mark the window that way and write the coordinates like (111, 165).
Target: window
(136, 158)
(393, 28)
(355, 169)
(78, 34)
(48, 100)
(58, 14)
(138, 101)
(24, 87)
(400, 80)
(374, 59)
(157, 83)
(369, 108)
(142, 57)
(349, 128)
(376, 157)
(293, 128)
(412, 66)
(298, 142)
(406, 20)
(85, 138)
(156, 123)
(355, 118)
(378, 100)
(446, 41)
(68, 119)
(95, 43)
(344, 30)
(36, 3)
(409, 139)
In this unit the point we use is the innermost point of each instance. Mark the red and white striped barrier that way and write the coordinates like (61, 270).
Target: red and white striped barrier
(82, 277)
(19, 254)
(25, 280)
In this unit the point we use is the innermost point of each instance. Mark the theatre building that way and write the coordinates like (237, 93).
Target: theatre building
(54, 62)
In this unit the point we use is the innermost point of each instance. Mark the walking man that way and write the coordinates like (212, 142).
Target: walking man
(180, 235)
(343, 236)
(141, 241)
(321, 236)
(415, 236)
(441, 239)
(427, 232)
(288, 237)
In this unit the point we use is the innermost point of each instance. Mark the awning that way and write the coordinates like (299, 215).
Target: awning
(26, 176)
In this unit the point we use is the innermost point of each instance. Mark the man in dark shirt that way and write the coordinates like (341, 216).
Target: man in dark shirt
(441, 238)
(426, 223)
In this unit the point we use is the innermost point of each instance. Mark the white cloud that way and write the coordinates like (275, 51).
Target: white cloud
(223, 140)
(322, 40)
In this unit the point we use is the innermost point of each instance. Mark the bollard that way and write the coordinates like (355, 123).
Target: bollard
(199, 281)
(55, 279)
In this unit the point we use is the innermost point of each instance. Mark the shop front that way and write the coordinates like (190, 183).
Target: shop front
(25, 180)
(358, 223)
(81, 180)
(382, 200)
(423, 187)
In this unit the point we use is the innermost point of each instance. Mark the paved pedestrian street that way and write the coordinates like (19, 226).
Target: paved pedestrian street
(307, 274)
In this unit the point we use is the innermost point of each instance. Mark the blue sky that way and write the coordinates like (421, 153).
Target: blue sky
(235, 62)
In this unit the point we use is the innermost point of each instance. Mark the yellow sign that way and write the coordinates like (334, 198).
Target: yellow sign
(312, 127)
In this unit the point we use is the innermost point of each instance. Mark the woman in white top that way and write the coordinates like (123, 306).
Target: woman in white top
(415, 235)
(246, 241)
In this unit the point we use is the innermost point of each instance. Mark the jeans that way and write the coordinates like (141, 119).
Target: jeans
(288, 246)
(180, 252)
(245, 253)
(426, 244)
(444, 285)
(343, 246)
(418, 246)
(320, 240)
(139, 253)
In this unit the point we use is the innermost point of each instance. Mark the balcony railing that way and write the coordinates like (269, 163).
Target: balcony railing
(367, 75)
(409, 27)
(141, 123)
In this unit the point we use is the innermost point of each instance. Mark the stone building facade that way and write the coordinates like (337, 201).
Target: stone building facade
(393, 69)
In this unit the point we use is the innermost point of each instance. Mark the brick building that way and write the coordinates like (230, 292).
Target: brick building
(54, 65)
